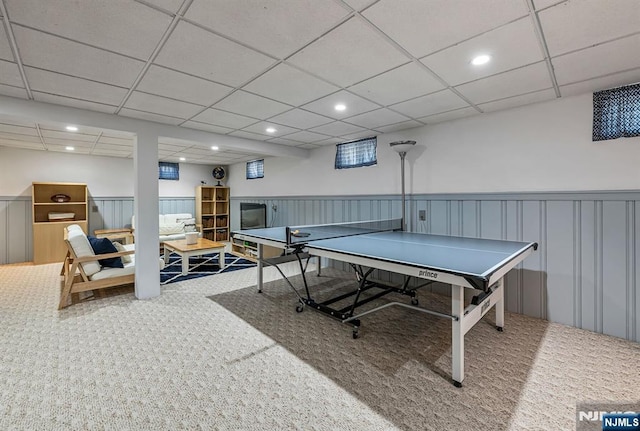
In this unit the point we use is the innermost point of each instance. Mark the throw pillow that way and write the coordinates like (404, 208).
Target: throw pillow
(189, 224)
(127, 257)
(171, 228)
(104, 246)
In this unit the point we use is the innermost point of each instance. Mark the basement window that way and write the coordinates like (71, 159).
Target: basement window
(616, 113)
(356, 154)
(168, 171)
(255, 169)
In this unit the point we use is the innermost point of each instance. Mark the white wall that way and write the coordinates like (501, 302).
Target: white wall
(541, 147)
(104, 176)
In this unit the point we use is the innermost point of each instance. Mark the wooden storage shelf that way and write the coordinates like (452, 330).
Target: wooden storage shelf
(249, 250)
(48, 235)
(212, 212)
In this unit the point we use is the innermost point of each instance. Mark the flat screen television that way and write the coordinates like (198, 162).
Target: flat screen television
(253, 216)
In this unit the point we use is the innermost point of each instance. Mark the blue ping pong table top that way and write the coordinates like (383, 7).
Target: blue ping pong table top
(459, 255)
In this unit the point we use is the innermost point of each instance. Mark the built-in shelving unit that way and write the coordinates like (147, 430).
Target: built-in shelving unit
(54, 207)
(212, 212)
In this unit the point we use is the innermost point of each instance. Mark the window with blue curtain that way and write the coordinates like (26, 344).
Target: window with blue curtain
(357, 154)
(616, 113)
(168, 171)
(255, 169)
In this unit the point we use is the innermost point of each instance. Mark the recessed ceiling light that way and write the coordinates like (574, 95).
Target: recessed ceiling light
(481, 59)
(69, 148)
(340, 107)
(182, 159)
(271, 130)
(72, 128)
(214, 148)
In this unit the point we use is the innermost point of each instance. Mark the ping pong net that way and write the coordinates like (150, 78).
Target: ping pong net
(305, 234)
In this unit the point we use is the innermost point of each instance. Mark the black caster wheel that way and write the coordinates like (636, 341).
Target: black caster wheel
(499, 328)
(299, 308)
(457, 384)
(355, 335)
(414, 301)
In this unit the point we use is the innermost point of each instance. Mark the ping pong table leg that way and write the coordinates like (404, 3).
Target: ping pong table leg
(500, 306)
(259, 268)
(457, 335)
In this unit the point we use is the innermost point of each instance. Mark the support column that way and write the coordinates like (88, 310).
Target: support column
(146, 210)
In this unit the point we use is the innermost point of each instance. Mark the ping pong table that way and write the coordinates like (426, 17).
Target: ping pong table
(463, 263)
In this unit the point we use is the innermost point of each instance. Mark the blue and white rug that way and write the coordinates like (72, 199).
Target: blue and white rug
(201, 266)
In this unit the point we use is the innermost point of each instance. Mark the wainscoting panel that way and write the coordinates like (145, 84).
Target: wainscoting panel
(583, 274)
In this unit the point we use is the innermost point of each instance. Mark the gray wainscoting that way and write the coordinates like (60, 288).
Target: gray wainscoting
(16, 234)
(583, 273)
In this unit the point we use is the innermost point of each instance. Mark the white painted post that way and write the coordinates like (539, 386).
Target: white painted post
(146, 207)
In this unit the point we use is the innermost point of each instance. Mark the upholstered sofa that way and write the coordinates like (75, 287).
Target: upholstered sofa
(174, 226)
(82, 269)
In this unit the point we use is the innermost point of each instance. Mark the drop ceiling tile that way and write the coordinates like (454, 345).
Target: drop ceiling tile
(451, 115)
(306, 137)
(290, 85)
(21, 144)
(337, 128)
(300, 119)
(400, 126)
(162, 105)
(525, 99)
(62, 85)
(377, 118)
(206, 127)
(351, 53)
(62, 127)
(597, 61)
(117, 134)
(224, 119)
(435, 103)
(172, 147)
(176, 85)
(19, 137)
(122, 142)
(591, 23)
(7, 90)
(308, 146)
(169, 5)
(18, 129)
(602, 83)
(261, 128)
(5, 48)
(63, 149)
(10, 74)
(75, 103)
(543, 4)
(284, 141)
(199, 151)
(355, 105)
(454, 64)
(251, 105)
(278, 29)
(359, 4)
(249, 135)
(75, 144)
(111, 153)
(68, 136)
(101, 146)
(149, 116)
(198, 52)
(418, 25)
(402, 83)
(513, 83)
(52, 53)
(110, 25)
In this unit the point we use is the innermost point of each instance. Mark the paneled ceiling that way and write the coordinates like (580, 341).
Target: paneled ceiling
(240, 67)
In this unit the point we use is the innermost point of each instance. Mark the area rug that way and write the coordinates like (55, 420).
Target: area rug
(201, 266)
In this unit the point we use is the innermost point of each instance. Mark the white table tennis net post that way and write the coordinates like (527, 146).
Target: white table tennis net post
(305, 234)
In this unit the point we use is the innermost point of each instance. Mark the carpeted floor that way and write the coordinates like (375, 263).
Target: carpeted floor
(211, 353)
(201, 266)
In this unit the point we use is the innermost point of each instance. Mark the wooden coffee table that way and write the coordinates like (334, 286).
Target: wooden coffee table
(113, 234)
(203, 246)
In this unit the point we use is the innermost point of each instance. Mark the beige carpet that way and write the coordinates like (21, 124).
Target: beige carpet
(212, 353)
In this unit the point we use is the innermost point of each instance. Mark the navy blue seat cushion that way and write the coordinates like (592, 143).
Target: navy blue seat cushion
(104, 246)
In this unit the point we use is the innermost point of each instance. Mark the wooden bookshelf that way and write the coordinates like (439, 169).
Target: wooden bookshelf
(48, 234)
(212, 212)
